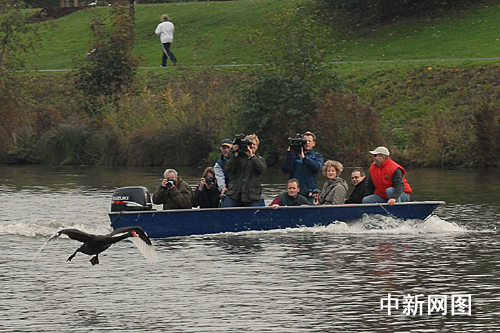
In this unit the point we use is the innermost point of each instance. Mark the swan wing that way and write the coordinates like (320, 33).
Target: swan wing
(142, 242)
(147, 250)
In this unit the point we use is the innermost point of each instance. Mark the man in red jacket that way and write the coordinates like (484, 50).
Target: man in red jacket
(387, 182)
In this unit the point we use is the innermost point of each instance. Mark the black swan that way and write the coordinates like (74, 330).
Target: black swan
(95, 244)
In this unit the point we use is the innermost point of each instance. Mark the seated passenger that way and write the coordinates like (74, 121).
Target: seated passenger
(358, 179)
(206, 195)
(173, 193)
(290, 197)
(387, 182)
(335, 187)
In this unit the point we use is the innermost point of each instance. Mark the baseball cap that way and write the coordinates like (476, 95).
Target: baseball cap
(380, 150)
(226, 142)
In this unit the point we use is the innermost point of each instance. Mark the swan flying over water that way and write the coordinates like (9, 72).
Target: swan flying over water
(95, 244)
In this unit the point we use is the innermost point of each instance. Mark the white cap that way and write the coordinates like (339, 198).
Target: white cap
(380, 150)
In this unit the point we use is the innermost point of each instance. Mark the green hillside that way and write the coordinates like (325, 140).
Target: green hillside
(471, 33)
(426, 88)
(224, 33)
(207, 33)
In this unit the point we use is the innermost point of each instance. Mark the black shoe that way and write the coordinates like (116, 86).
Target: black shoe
(163, 66)
(174, 62)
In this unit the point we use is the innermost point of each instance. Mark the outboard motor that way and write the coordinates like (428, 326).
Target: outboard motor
(131, 198)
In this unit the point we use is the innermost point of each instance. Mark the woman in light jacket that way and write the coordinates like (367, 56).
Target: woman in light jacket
(335, 188)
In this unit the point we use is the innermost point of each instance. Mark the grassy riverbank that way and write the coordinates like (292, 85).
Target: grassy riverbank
(228, 33)
(429, 109)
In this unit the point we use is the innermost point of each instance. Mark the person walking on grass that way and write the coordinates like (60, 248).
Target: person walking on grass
(166, 31)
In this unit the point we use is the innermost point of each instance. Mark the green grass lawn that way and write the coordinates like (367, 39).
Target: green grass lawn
(207, 33)
(474, 33)
(223, 33)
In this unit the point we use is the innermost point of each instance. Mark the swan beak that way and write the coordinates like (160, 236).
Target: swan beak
(134, 234)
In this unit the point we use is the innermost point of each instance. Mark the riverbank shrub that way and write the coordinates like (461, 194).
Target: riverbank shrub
(346, 128)
(444, 116)
(177, 119)
(486, 125)
(433, 115)
(279, 101)
(67, 144)
(109, 68)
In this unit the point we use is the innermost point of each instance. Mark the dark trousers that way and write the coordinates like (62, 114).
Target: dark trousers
(167, 54)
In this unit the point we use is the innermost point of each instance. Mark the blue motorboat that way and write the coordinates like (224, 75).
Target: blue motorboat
(131, 206)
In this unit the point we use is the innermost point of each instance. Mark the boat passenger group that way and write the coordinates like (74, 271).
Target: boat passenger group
(235, 179)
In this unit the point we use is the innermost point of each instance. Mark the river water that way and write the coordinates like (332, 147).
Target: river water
(321, 279)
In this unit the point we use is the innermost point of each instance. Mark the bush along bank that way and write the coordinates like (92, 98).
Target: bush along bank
(436, 115)
(444, 116)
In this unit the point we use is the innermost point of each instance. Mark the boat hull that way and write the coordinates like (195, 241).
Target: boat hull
(184, 222)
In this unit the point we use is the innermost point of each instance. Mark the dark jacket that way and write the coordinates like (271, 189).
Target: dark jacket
(206, 198)
(284, 199)
(180, 196)
(304, 170)
(358, 193)
(246, 173)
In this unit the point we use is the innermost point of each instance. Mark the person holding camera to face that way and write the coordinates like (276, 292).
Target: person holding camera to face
(206, 195)
(303, 164)
(246, 169)
(173, 193)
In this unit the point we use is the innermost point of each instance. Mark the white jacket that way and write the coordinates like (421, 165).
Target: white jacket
(166, 32)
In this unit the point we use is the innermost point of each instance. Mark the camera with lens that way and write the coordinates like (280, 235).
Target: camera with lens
(242, 142)
(311, 193)
(297, 143)
(209, 180)
(170, 182)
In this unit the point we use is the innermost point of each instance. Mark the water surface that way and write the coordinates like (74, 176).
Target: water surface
(321, 279)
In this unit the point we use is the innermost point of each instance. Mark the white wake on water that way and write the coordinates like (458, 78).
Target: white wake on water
(374, 224)
(48, 228)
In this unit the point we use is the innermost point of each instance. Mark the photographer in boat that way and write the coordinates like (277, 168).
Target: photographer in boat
(173, 193)
(303, 163)
(246, 169)
(206, 195)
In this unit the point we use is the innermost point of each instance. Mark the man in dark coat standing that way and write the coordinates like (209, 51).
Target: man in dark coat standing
(246, 169)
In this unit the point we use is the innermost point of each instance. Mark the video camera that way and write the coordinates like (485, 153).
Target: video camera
(242, 142)
(297, 143)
